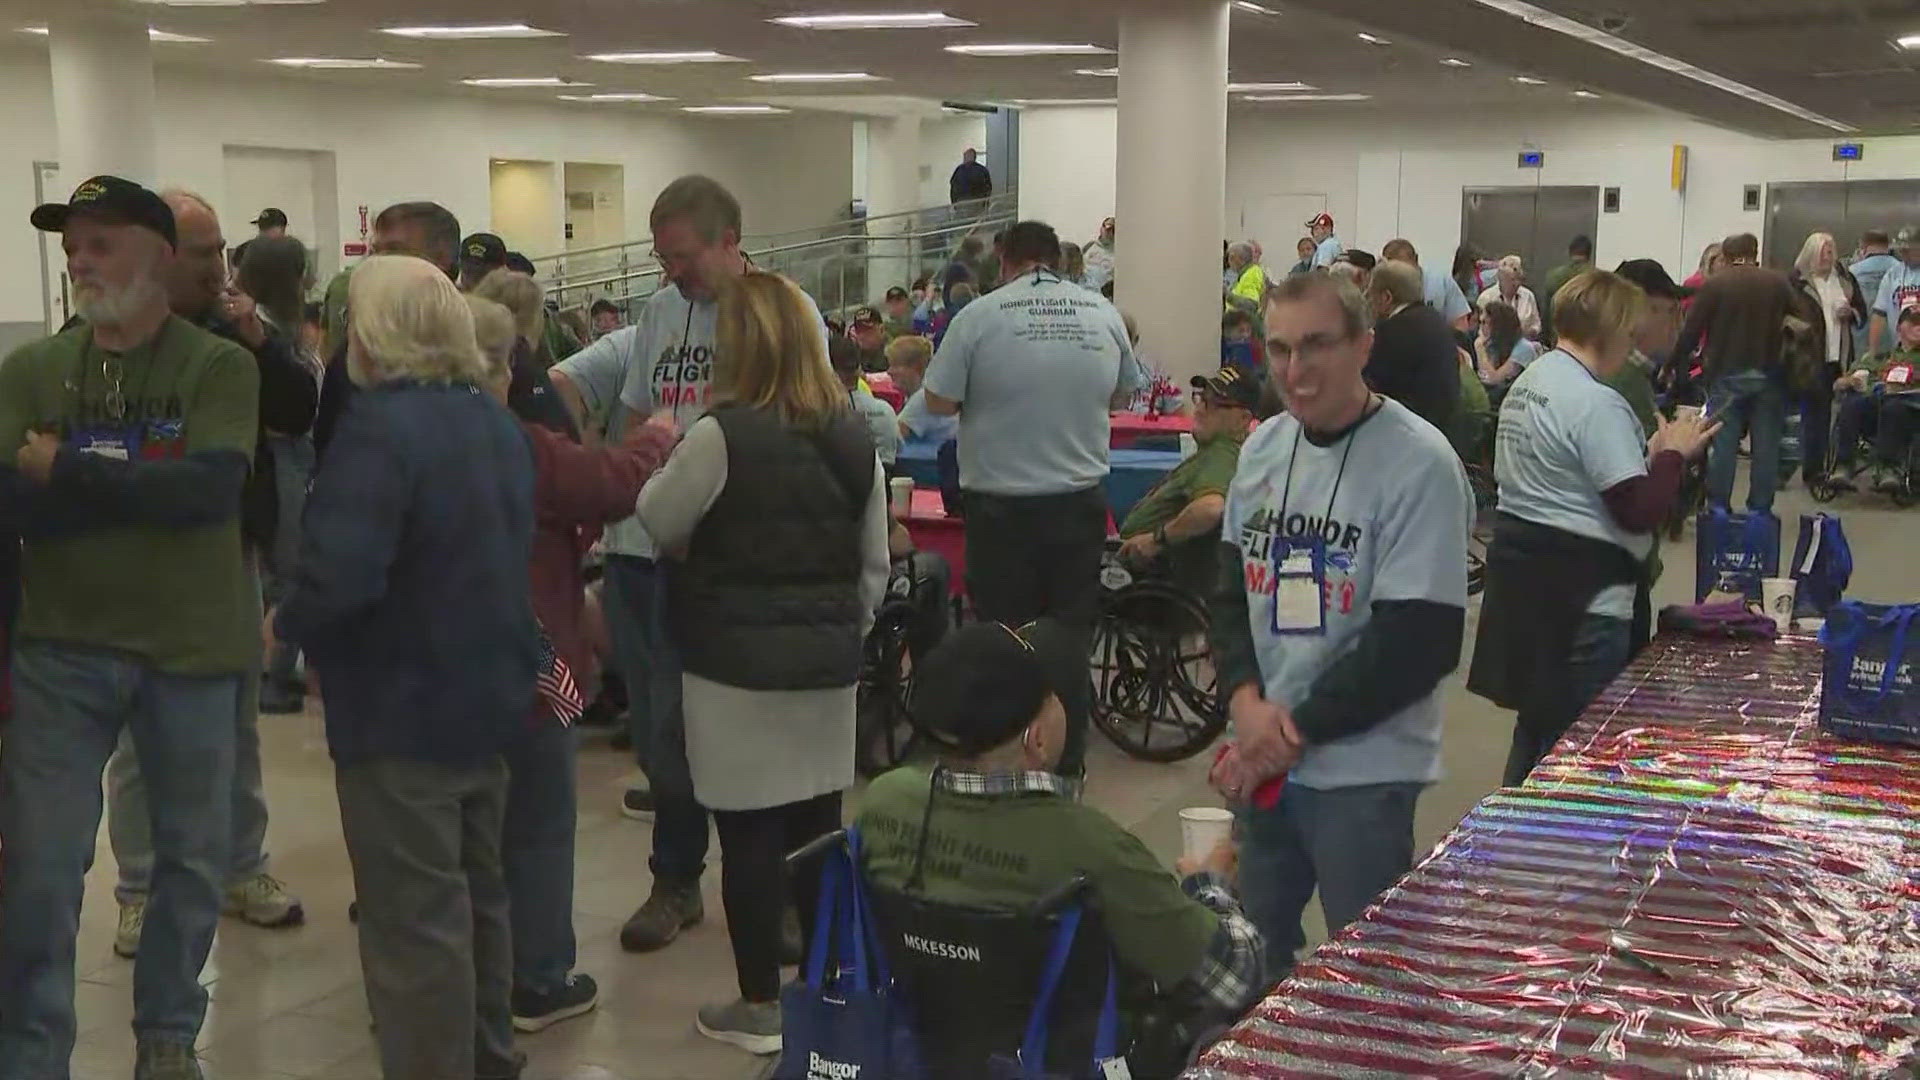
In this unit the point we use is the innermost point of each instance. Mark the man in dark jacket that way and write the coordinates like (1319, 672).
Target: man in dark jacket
(1415, 360)
(970, 181)
(197, 292)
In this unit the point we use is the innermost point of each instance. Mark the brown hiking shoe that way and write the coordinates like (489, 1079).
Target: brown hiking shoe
(669, 909)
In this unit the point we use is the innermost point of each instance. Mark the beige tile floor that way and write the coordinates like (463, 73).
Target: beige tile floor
(288, 1003)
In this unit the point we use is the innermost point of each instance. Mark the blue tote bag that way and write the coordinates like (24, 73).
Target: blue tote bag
(1733, 552)
(1822, 565)
(1031, 1064)
(1866, 689)
(841, 1019)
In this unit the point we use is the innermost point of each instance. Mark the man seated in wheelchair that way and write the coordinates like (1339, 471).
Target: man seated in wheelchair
(1180, 518)
(1880, 400)
(990, 825)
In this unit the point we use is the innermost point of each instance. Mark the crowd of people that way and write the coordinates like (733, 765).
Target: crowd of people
(405, 485)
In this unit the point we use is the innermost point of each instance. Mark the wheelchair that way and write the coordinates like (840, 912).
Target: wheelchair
(1155, 693)
(1905, 493)
(911, 621)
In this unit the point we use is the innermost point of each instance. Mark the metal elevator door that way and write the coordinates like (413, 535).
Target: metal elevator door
(1535, 223)
(1844, 208)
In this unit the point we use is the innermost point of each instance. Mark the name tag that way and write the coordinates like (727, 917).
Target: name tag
(1299, 572)
(114, 443)
(1900, 375)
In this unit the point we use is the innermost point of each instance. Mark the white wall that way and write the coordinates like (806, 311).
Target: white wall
(788, 172)
(1384, 176)
(526, 205)
(942, 141)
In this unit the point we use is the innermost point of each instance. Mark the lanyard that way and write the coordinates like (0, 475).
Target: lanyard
(1286, 495)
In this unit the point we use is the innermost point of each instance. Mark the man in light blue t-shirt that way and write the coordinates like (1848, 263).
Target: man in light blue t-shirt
(1346, 527)
(1899, 290)
(1868, 272)
(1326, 246)
(1437, 287)
(1032, 369)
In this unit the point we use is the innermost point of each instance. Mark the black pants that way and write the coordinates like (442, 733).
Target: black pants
(1038, 556)
(755, 887)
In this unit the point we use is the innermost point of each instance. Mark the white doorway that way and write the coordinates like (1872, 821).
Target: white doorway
(1278, 221)
(299, 182)
(53, 258)
(596, 215)
(526, 205)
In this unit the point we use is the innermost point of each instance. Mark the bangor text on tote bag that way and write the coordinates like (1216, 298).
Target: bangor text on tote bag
(841, 1021)
(1734, 552)
(1822, 565)
(1866, 688)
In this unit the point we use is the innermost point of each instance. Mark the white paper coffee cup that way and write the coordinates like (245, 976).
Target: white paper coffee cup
(900, 495)
(1189, 446)
(1776, 596)
(1687, 412)
(1202, 828)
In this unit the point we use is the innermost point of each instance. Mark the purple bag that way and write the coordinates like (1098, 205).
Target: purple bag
(1723, 619)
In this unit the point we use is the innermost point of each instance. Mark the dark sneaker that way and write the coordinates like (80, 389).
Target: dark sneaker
(668, 910)
(637, 804)
(1886, 479)
(161, 1060)
(282, 700)
(751, 1026)
(793, 947)
(539, 1011)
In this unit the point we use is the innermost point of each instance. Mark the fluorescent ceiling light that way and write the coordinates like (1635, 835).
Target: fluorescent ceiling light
(1454, 61)
(1560, 24)
(1099, 73)
(633, 96)
(1308, 97)
(734, 110)
(515, 81)
(340, 63)
(1253, 8)
(457, 33)
(816, 77)
(1373, 39)
(228, 3)
(1029, 49)
(1585, 94)
(696, 56)
(873, 20)
(152, 35)
(1911, 41)
(1267, 87)
(1528, 80)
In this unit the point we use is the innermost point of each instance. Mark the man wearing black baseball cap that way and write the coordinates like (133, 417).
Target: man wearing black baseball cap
(994, 825)
(133, 433)
(271, 222)
(869, 331)
(1180, 517)
(480, 254)
(899, 310)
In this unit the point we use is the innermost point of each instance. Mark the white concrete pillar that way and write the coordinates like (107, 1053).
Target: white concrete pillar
(102, 64)
(893, 187)
(1171, 182)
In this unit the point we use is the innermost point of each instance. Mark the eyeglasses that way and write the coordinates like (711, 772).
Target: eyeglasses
(112, 371)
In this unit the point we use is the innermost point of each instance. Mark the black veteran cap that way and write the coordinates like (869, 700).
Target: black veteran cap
(1230, 385)
(109, 197)
(986, 682)
(485, 249)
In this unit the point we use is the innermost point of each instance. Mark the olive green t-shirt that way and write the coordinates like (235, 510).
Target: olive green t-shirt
(1010, 850)
(179, 597)
(333, 313)
(1208, 472)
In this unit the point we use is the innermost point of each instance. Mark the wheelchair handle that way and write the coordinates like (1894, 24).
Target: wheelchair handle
(1059, 898)
(815, 848)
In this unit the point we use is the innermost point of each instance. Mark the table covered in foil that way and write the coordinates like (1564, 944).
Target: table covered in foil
(1696, 882)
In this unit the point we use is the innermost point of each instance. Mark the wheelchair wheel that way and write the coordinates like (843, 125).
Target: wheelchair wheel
(1486, 500)
(1908, 492)
(1155, 692)
(884, 731)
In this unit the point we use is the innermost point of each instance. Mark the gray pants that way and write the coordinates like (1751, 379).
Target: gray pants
(130, 828)
(435, 949)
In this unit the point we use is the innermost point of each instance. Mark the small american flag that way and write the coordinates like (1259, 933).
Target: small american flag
(555, 684)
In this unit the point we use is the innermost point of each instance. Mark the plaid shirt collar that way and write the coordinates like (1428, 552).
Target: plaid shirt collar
(1004, 783)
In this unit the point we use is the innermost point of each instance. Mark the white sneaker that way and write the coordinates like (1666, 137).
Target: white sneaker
(126, 937)
(263, 900)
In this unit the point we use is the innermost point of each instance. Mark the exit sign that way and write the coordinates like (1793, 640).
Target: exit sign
(1849, 151)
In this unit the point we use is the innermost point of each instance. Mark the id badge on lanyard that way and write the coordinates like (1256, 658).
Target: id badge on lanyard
(1299, 578)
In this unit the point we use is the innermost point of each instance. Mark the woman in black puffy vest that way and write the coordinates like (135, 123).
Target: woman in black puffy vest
(772, 514)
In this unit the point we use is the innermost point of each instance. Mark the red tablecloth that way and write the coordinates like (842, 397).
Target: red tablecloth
(1129, 428)
(932, 530)
(1696, 882)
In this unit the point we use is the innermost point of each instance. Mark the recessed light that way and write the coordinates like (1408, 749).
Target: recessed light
(634, 96)
(1029, 49)
(1267, 87)
(341, 63)
(1253, 8)
(1454, 61)
(1534, 15)
(815, 77)
(734, 110)
(152, 35)
(1373, 39)
(1099, 73)
(511, 82)
(457, 33)
(1308, 97)
(695, 56)
(1585, 94)
(1528, 80)
(1911, 41)
(873, 20)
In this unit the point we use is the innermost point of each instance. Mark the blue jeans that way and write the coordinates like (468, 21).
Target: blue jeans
(536, 850)
(1746, 402)
(635, 604)
(69, 707)
(293, 459)
(1353, 842)
(1601, 645)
